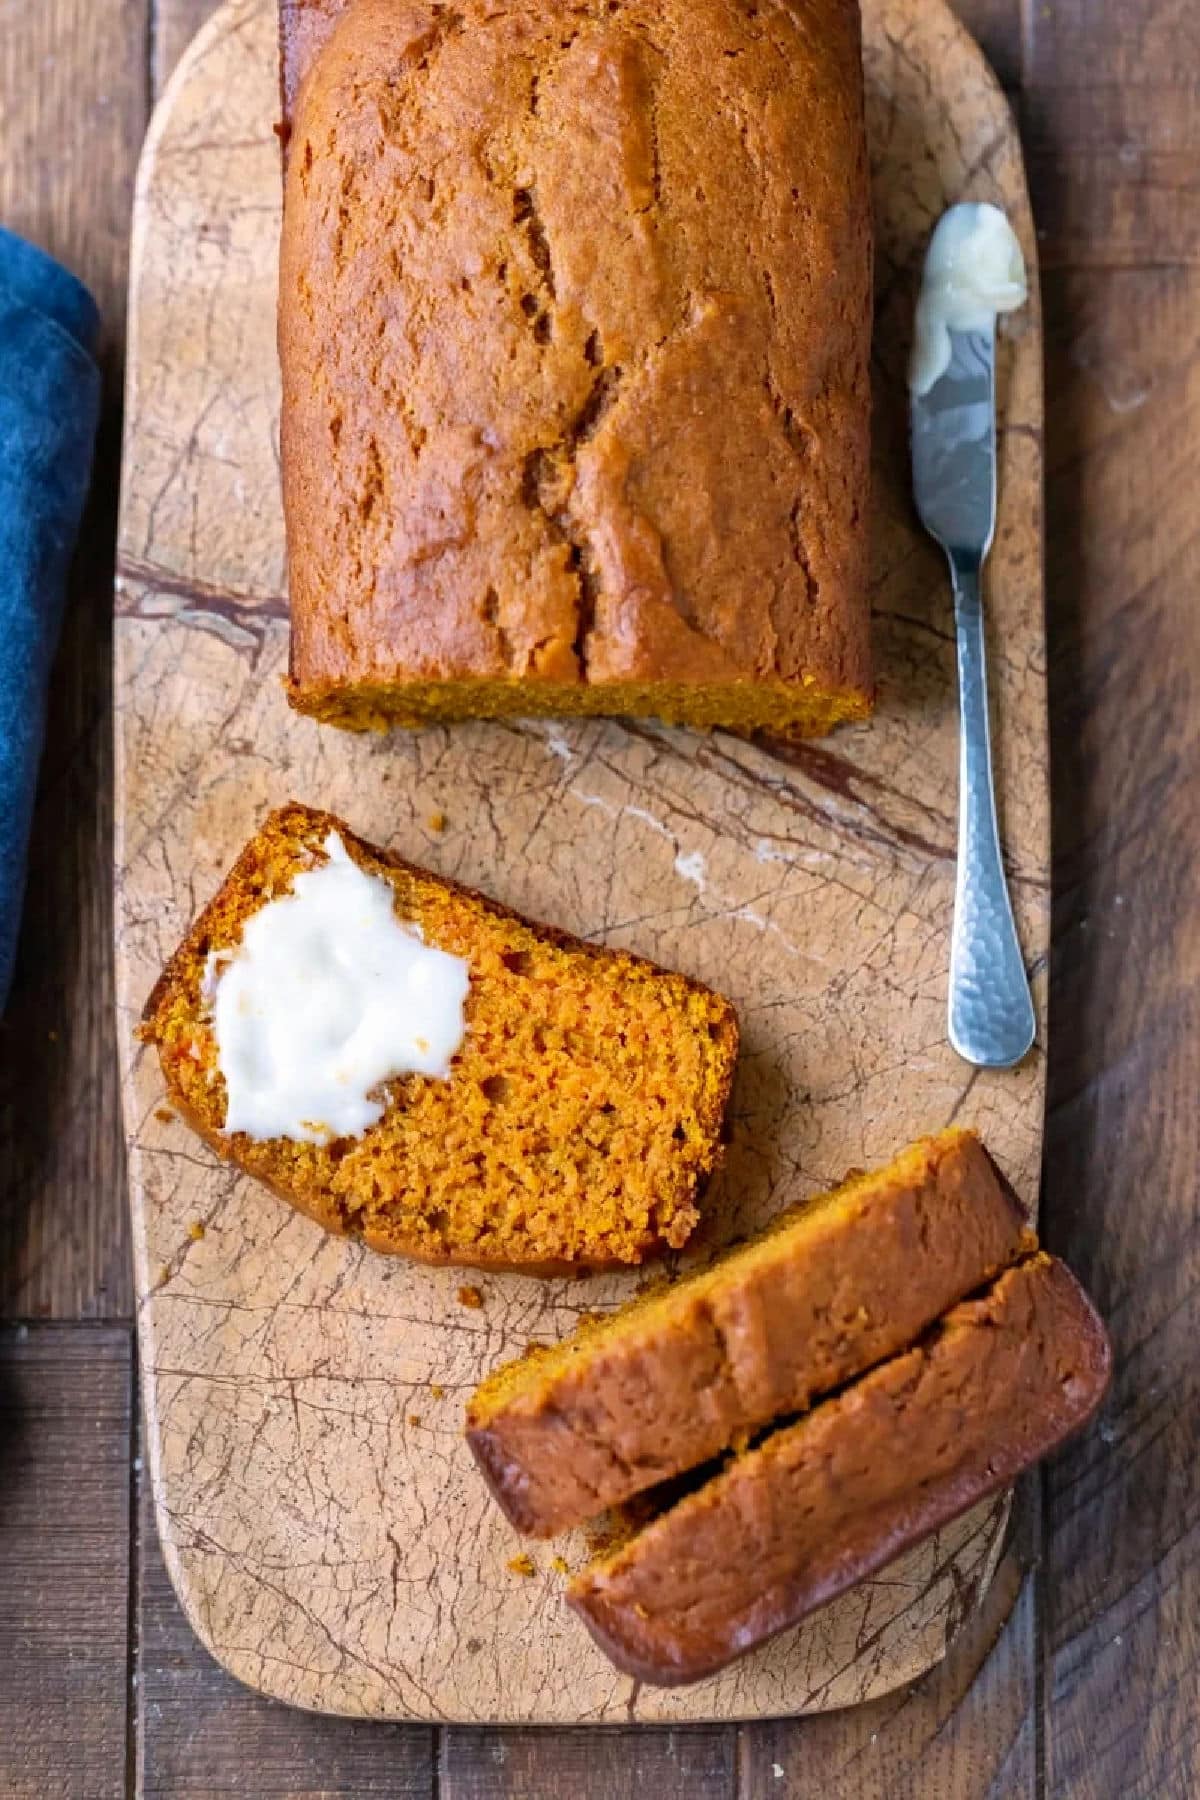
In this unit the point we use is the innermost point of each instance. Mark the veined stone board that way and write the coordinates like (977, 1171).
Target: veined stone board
(319, 1511)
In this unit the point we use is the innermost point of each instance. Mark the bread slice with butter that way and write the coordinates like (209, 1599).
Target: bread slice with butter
(575, 1126)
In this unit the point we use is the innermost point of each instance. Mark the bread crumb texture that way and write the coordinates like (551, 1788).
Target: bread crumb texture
(581, 1116)
(574, 324)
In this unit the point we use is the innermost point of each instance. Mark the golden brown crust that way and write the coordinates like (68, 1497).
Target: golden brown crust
(575, 407)
(666, 1384)
(305, 27)
(822, 1504)
(535, 1155)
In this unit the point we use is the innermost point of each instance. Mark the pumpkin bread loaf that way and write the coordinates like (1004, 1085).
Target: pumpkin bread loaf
(820, 1504)
(581, 1115)
(574, 327)
(835, 1285)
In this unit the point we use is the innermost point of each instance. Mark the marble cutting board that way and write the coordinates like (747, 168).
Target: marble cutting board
(319, 1512)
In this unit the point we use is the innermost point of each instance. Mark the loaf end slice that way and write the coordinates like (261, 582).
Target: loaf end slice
(820, 1505)
(835, 1285)
(581, 1117)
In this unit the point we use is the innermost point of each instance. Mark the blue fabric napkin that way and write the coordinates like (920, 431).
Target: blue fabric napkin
(49, 407)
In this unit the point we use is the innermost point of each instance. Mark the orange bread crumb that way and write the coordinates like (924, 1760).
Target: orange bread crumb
(581, 1117)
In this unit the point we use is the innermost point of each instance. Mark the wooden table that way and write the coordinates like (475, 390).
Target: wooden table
(1092, 1687)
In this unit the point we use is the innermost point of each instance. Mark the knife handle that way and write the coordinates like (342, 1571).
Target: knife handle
(992, 1022)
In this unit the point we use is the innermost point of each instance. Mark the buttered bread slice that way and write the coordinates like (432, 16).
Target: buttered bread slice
(412, 1064)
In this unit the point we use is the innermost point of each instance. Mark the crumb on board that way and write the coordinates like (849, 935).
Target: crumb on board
(196, 1230)
(437, 1390)
(522, 1564)
(436, 821)
(470, 1296)
(560, 1565)
(164, 1115)
(164, 1275)
(414, 1418)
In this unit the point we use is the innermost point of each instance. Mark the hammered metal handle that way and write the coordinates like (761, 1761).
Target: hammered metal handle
(992, 1022)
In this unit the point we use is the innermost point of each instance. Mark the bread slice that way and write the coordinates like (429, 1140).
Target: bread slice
(581, 1116)
(823, 1503)
(669, 1381)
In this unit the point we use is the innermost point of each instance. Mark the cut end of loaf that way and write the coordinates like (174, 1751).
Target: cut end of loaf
(784, 710)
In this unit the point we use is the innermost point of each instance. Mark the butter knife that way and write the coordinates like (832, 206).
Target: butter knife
(991, 1016)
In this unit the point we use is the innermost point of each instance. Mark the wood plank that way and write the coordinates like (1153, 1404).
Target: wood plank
(65, 1425)
(966, 1731)
(199, 1731)
(1122, 1554)
(1110, 112)
(1095, 43)
(73, 79)
(692, 1763)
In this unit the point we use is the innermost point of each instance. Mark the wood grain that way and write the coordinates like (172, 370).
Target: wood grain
(72, 78)
(65, 1430)
(1121, 1579)
(814, 886)
(696, 1763)
(1112, 128)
